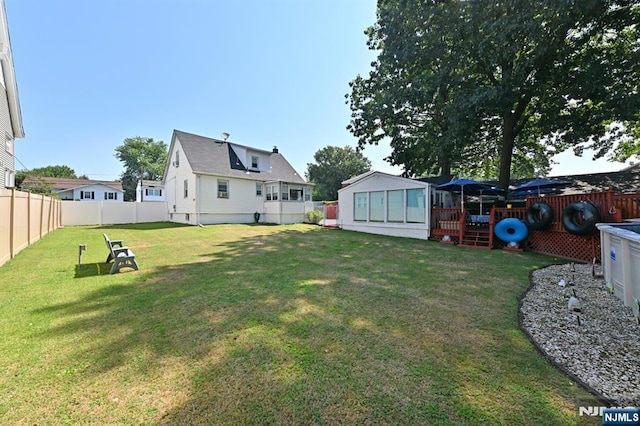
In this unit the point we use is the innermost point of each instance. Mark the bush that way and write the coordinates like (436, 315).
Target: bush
(314, 216)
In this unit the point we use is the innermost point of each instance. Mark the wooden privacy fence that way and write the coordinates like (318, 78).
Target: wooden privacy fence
(555, 240)
(24, 219)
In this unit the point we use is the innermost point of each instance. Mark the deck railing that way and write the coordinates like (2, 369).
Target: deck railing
(447, 222)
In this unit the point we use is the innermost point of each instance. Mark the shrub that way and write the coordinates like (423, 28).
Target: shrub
(314, 216)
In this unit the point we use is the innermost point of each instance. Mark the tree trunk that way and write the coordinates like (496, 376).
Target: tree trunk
(508, 141)
(445, 165)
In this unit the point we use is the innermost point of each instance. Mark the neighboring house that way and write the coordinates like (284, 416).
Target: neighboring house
(10, 115)
(77, 189)
(624, 181)
(210, 181)
(149, 191)
(381, 203)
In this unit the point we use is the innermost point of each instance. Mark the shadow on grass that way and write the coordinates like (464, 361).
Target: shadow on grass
(148, 226)
(92, 269)
(304, 327)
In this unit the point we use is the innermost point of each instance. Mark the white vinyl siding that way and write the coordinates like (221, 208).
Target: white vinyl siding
(404, 203)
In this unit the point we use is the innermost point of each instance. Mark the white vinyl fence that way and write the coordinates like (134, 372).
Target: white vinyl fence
(112, 213)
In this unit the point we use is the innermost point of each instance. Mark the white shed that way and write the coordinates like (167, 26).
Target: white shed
(380, 203)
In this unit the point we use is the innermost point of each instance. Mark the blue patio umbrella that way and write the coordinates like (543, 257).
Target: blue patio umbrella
(539, 184)
(471, 186)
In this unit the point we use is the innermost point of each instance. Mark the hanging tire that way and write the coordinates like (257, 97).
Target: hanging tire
(580, 218)
(511, 230)
(540, 216)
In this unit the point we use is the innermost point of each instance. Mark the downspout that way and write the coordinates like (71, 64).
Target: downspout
(197, 203)
(428, 207)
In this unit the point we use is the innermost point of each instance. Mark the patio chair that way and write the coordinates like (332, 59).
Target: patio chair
(122, 256)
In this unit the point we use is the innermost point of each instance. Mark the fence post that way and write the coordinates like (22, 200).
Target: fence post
(41, 213)
(29, 218)
(49, 221)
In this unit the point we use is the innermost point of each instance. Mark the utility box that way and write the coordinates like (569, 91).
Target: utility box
(620, 253)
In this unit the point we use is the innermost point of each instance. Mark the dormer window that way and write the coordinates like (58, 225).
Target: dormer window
(254, 161)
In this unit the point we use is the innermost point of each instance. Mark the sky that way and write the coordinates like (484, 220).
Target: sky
(270, 73)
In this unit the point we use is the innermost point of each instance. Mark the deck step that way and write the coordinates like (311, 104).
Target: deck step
(480, 239)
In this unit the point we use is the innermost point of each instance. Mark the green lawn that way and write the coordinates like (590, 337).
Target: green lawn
(243, 324)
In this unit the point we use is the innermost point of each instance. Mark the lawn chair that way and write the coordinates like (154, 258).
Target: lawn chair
(122, 256)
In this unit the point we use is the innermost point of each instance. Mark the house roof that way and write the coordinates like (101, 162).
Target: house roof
(356, 180)
(8, 70)
(213, 156)
(63, 184)
(623, 181)
(146, 182)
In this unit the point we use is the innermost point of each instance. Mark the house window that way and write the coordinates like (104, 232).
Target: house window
(285, 192)
(87, 195)
(258, 190)
(177, 162)
(395, 206)
(9, 178)
(223, 188)
(272, 192)
(8, 144)
(360, 206)
(416, 206)
(152, 192)
(376, 206)
(254, 161)
(187, 217)
(186, 188)
(307, 194)
(110, 195)
(295, 193)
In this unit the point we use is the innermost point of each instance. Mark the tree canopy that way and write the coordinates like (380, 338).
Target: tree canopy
(143, 158)
(333, 166)
(58, 171)
(497, 88)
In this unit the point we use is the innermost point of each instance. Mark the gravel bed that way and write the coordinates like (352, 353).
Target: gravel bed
(599, 345)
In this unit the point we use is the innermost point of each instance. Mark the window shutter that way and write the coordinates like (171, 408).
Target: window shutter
(93, 195)
(105, 195)
(146, 191)
(115, 196)
(160, 193)
(82, 195)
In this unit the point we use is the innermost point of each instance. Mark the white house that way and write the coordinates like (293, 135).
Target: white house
(380, 203)
(210, 181)
(78, 189)
(10, 115)
(149, 191)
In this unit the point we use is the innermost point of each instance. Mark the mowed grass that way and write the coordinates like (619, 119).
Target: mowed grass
(252, 324)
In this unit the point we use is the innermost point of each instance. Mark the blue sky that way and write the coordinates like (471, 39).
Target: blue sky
(269, 72)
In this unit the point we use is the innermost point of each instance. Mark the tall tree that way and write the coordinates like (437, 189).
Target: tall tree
(487, 82)
(333, 166)
(57, 171)
(143, 158)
